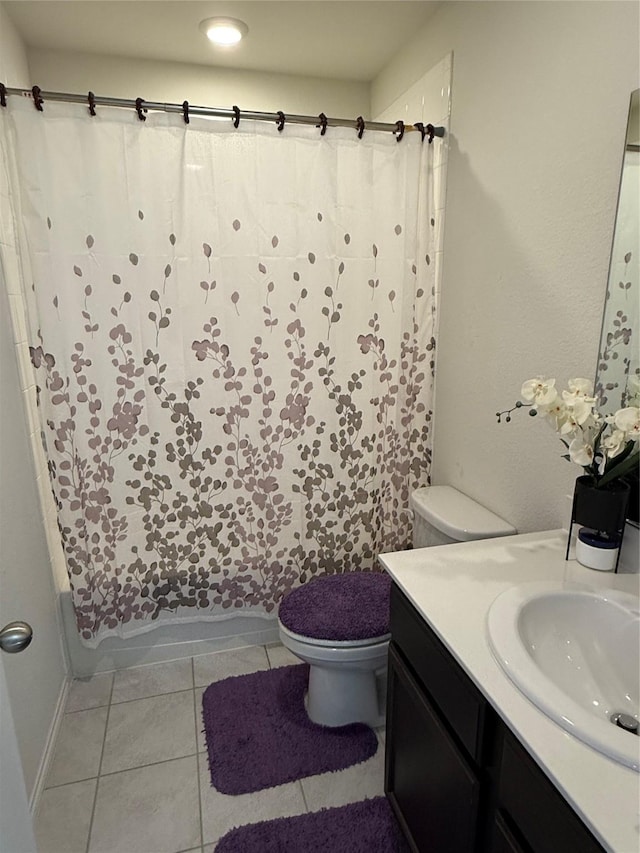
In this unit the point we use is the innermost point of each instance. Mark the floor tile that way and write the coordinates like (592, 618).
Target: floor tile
(219, 665)
(78, 747)
(55, 831)
(346, 786)
(281, 656)
(91, 692)
(201, 740)
(221, 812)
(149, 730)
(148, 810)
(140, 682)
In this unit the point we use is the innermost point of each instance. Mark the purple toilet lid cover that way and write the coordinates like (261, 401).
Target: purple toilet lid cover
(351, 606)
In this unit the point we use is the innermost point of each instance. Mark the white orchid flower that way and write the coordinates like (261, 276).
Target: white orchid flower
(539, 391)
(559, 416)
(614, 443)
(580, 452)
(633, 388)
(569, 425)
(582, 408)
(578, 398)
(628, 421)
(581, 387)
(573, 414)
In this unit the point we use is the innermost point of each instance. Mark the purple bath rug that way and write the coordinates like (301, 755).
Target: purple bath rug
(367, 827)
(258, 733)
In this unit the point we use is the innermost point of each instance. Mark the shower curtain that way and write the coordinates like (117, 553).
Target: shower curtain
(233, 338)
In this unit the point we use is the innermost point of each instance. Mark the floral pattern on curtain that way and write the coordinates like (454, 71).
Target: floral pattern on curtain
(233, 333)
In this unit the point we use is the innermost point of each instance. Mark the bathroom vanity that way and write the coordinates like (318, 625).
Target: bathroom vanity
(471, 763)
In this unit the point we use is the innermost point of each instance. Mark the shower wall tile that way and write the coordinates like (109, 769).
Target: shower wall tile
(30, 403)
(439, 187)
(25, 369)
(6, 212)
(18, 319)
(438, 237)
(56, 554)
(441, 147)
(64, 818)
(44, 490)
(151, 808)
(427, 100)
(147, 731)
(438, 262)
(11, 269)
(39, 456)
(78, 747)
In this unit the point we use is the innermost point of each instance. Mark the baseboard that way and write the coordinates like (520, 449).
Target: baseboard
(47, 753)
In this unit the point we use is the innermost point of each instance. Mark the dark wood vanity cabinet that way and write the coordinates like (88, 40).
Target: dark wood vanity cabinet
(457, 779)
(433, 788)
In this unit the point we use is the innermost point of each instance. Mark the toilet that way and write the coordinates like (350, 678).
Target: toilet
(339, 624)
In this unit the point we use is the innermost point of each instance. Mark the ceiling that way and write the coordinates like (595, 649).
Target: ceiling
(335, 39)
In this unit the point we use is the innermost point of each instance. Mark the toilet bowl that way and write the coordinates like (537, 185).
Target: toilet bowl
(345, 679)
(339, 624)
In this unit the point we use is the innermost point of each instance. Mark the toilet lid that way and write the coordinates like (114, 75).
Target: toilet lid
(352, 606)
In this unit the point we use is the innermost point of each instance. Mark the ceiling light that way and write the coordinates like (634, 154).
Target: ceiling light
(224, 32)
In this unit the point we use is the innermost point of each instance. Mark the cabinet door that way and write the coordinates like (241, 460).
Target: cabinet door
(536, 807)
(504, 841)
(430, 785)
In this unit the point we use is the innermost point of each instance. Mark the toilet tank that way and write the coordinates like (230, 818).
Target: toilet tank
(443, 515)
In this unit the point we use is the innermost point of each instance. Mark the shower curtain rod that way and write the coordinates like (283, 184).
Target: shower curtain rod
(186, 109)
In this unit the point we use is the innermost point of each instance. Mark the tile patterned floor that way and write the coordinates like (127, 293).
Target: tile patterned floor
(129, 772)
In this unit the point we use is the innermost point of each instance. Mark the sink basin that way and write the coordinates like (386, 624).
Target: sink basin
(574, 651)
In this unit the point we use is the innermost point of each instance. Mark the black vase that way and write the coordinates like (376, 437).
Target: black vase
(604, 510)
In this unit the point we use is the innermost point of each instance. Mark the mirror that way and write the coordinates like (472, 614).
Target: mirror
(619, 352)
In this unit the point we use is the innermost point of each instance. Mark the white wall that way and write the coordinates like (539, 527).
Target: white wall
(539, 109)
(174, 82)
(14, 69)
(36, 677)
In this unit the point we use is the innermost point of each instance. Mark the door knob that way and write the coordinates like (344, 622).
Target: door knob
(15, 637)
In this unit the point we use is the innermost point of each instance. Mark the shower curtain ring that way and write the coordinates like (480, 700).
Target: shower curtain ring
(399, 131)
(430, 131)
(323, 124)
(236, 116)
(3, 95)
(420, 126)
(280, 121)
(38, 101)
(360, 126)
(185, 111)
(92, 103)
(140, 108)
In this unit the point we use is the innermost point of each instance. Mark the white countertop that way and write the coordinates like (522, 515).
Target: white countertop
(453, 586)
